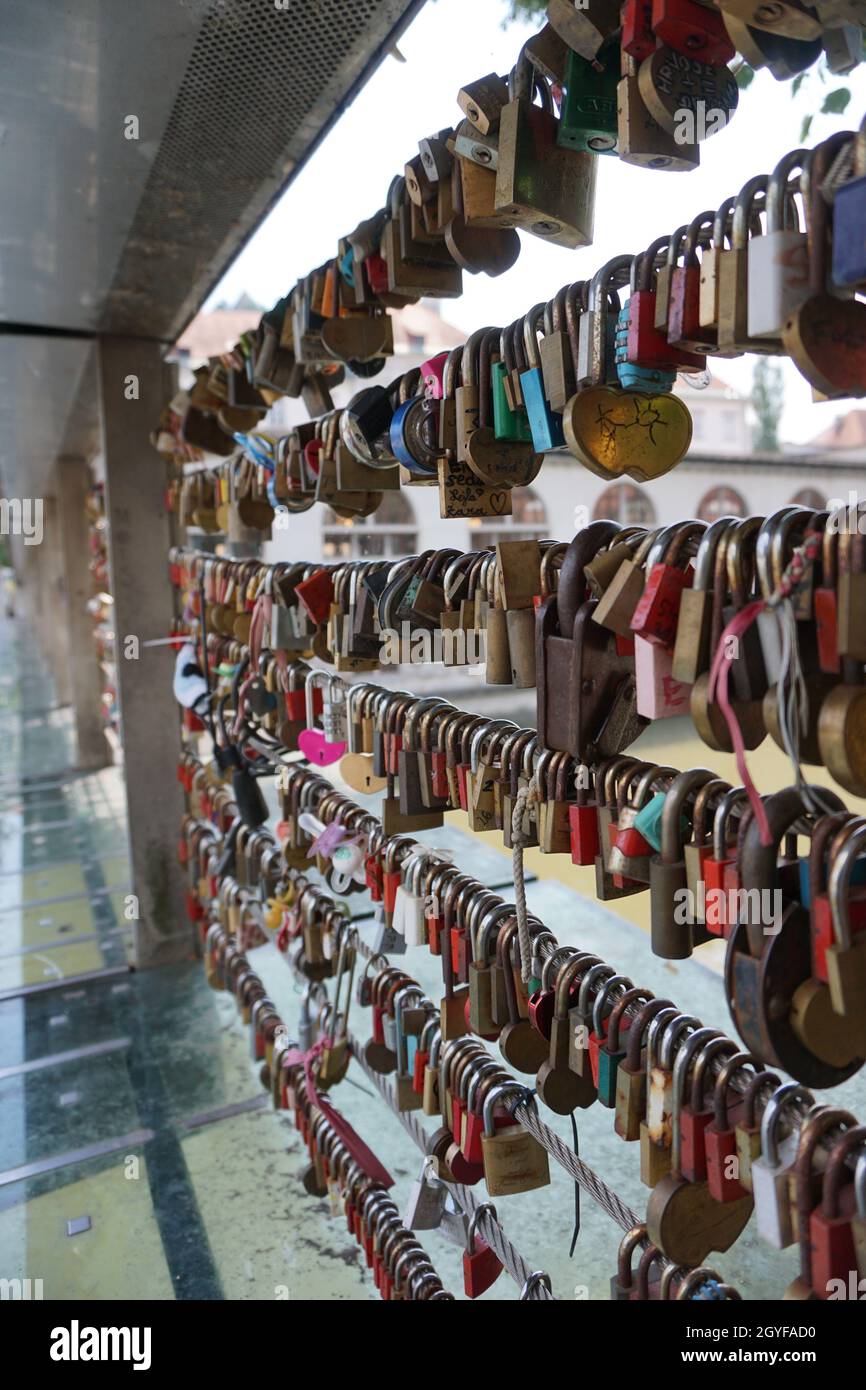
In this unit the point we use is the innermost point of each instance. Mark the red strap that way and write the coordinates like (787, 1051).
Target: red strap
(363, 1156)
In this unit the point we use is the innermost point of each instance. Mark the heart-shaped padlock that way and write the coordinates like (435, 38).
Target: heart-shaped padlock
(627, 433)
(316, 748)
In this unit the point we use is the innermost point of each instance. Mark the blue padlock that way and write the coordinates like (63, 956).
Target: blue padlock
(657, 380)
(545, 423)
(411, 422)
(849, 221)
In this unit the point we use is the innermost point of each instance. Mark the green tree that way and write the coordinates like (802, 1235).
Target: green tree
(768, 402)
(527, 9)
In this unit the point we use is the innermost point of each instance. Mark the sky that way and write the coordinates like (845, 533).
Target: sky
(453, 42)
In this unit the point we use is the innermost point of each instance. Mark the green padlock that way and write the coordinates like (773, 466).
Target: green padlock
(589, 114)
(611, 1050)
(648, 821)
(510, 420)
(615, 1046)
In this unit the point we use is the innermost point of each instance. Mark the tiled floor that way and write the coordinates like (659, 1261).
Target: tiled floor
(131, 1100)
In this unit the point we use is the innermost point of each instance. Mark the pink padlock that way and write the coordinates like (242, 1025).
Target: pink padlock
(432, 376)
(328, 744)
(659, 696)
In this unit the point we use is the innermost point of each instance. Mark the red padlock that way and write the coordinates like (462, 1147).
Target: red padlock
(824, 602)
(828, 837)
(296, 708)
(312, 455)
(583, 823)
(376, 271)
(720, 866)
(684, 318)
(720, 1137)
(696, 1117)
(638, 38)
(390, 883)
(657, 613)
(693, 30)
(316, 595)
(194, 909)
(481, 1267)
(831, 1239)
(459, 954)
(374, 877)
(648, 346)
(439, 777)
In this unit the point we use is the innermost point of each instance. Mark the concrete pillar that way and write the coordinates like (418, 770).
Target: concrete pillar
(85, 677)
(30, 600)
(55, 618)
(134, 386)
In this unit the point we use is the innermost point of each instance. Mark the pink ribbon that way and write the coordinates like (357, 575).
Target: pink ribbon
(718, 692)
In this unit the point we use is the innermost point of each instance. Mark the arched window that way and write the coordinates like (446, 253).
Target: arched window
(528, 521)
(811, 498)
(721, 501)
(391, 531)
(625, 503)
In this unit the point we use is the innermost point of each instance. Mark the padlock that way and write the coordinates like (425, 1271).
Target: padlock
(547, 189)
(849, 250)
(692, 640)
(683, 1219)
(846, 958)
(481, 1266)
(691, 29)
(831, 1235)
(697, 1112)
(514, 1161)
(656, 1130)
(770, 1171)
(583, 821)
(672, 932)
(814, 329)
(622, 1285)
(656, 615)
(613, 1052)
(778, 273)
(544, 424)
(684, 329)
(589, 108)
(647, 345)
(641, 139)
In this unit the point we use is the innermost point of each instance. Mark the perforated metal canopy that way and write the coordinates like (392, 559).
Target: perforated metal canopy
(100, 232)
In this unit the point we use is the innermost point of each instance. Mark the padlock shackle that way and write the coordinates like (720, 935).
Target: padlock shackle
(839, 883)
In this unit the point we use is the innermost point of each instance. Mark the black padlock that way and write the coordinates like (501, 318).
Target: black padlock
(365, 425)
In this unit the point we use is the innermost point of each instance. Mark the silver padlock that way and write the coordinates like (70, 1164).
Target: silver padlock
(334, 721)
(779, 259)
(426, 1201)
(386, 941)
(597, 331)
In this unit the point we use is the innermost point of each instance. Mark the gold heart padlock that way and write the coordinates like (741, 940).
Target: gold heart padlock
(620, 433)
(359, 337)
